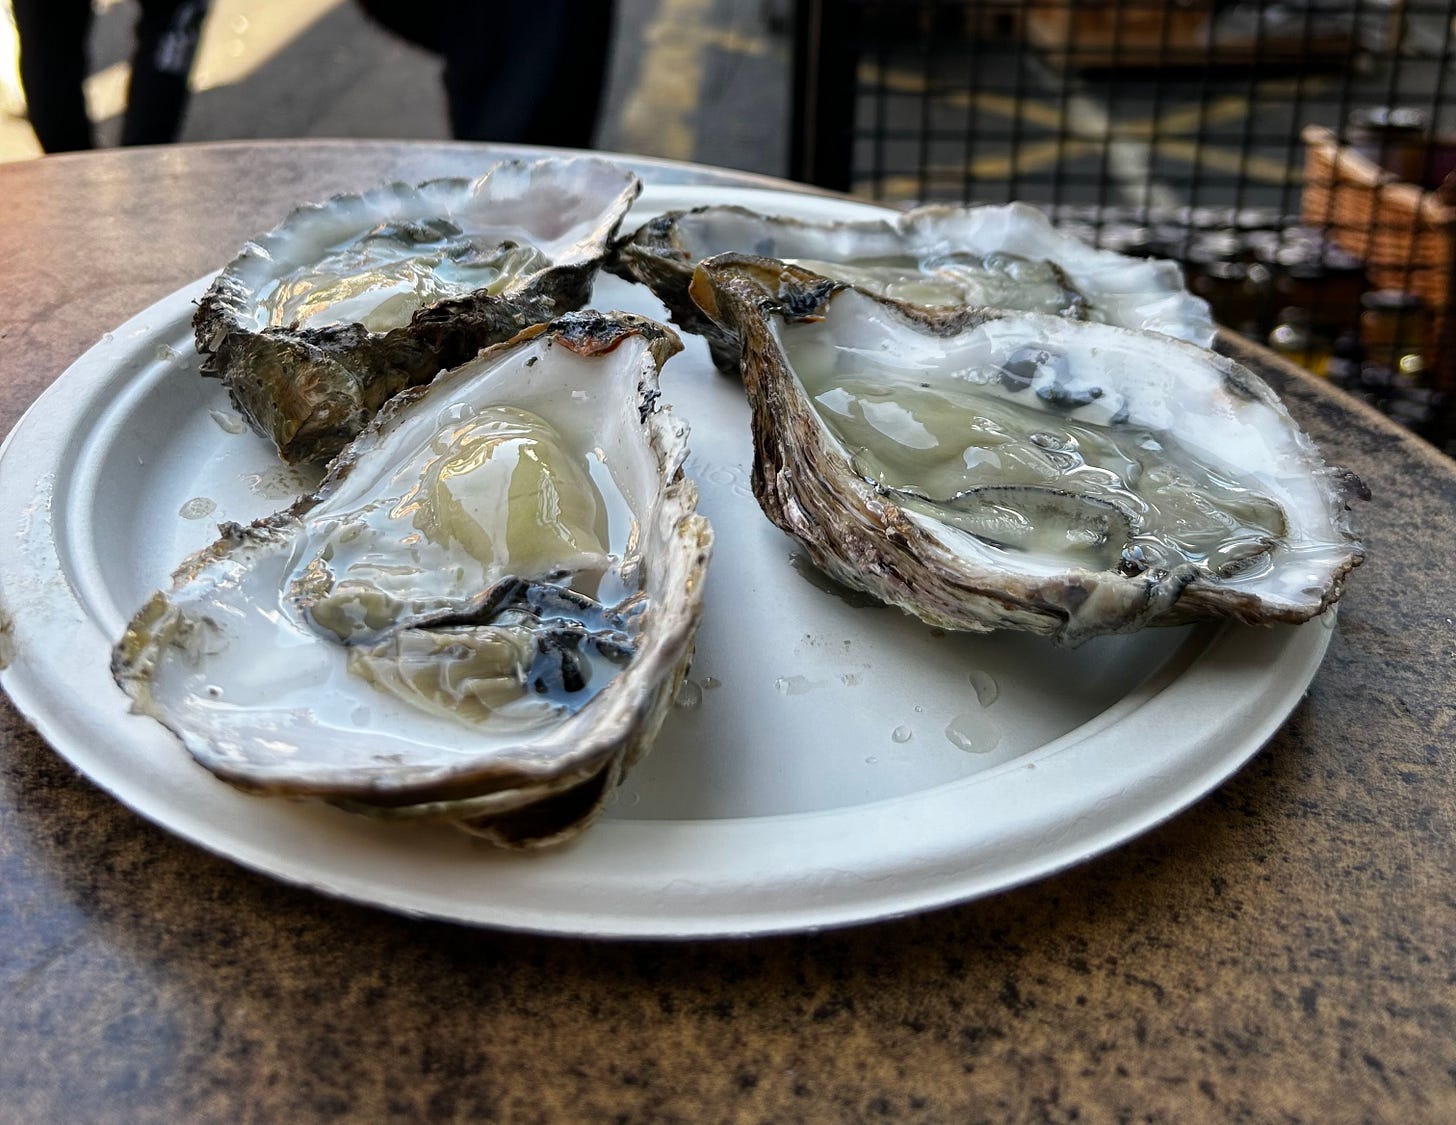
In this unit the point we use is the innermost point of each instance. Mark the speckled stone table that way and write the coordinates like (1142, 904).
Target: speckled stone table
(1284, 951)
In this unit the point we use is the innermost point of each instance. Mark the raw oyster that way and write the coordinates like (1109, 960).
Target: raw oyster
(1017, 470)
(481, 616)
(319, 322)
(934, 257)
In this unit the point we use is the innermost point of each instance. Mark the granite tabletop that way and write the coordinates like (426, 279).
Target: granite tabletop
(1282, 951)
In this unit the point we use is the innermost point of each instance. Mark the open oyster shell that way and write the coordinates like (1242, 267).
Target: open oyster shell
(481, 616)
(1017, 470)
(937, 257)
(319, 322)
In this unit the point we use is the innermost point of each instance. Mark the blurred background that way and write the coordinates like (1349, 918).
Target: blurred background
(322, 68)
(1298, 157)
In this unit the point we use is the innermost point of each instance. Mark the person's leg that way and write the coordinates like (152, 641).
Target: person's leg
(167, 34)
(53, 64)
(527, 71)
(415, 21)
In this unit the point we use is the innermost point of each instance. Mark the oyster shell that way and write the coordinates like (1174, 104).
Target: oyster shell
(319, 322)
(482, 614)
(1016, 470)
(936, 257)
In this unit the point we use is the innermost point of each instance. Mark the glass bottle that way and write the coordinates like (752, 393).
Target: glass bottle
(1393, 329)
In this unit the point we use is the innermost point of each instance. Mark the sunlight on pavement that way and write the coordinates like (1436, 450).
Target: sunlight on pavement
(239, 37)
(242, 35)
(17, 142)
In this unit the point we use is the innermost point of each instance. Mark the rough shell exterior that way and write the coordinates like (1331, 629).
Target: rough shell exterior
(311, 390)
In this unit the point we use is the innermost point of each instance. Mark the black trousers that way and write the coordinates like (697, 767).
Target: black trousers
(523, 71)
(54, 61)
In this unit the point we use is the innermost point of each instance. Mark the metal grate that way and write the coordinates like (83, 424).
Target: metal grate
(1295, 155)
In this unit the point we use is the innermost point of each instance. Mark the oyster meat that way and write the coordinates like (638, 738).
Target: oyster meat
(1017, 470)
(936, 257)
(319, 322)
(482, 614)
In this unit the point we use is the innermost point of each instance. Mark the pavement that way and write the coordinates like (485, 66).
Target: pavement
(703, 80)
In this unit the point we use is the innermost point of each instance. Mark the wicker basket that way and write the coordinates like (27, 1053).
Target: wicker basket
(1405, 235)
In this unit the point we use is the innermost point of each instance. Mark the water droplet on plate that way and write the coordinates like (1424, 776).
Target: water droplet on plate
(228, 422)
(793, 685)
(901, 734)
(711, 682)
(971, 733)
(689, 695)
(871, 760)
(197, 508)
(987, 689)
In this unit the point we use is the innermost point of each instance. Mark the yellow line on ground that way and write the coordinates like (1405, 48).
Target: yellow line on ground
(1182, 119)
(907, 82)
(897, 188)
(657, 119)
(1186, 119)
(1035, 112)
(1082, 128)
(1235, 107)
(1028, 158)
(900, 81)
(1247, 164)
(1002, 166)
(735, 42)
(1190, 118)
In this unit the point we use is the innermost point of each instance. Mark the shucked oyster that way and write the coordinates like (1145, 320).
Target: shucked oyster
(1018, 470)
(935, 257)
(319, 322)
(481, 615)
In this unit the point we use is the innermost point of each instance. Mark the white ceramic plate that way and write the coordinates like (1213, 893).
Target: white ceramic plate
(829, 763)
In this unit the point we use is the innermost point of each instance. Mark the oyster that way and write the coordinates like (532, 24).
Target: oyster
(1018, 470)
(482, 614)
(934, 257)
(319, 322)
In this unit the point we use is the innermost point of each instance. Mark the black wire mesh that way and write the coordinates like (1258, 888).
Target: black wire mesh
(1297, 156)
